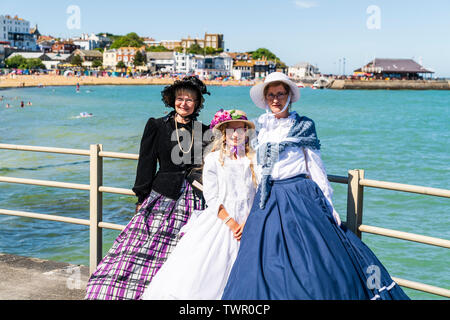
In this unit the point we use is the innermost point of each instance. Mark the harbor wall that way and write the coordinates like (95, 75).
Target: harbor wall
(390, 84)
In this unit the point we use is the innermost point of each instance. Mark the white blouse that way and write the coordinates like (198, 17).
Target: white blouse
(291, 161)
(230, 185)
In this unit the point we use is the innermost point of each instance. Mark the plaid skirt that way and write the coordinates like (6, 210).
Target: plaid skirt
(142, 247)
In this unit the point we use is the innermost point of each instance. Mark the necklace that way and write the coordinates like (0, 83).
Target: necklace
(178, 137)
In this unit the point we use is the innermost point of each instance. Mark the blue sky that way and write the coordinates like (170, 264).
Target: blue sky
(318, 31)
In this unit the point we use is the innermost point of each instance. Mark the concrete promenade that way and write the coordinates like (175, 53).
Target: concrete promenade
(23, 278)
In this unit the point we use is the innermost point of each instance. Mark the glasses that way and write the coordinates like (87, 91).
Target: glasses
(279, 96)
(188, 101)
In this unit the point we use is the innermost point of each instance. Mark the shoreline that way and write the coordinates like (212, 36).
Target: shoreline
(27, 81)
(30, 81)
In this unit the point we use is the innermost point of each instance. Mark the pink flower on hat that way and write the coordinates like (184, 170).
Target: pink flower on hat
(222, 116)
(219, 117)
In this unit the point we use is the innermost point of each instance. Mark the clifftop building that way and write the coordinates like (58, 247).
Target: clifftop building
(17, 32)
(213, 40)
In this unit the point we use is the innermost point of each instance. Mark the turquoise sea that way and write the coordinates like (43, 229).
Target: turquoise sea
(397, 136)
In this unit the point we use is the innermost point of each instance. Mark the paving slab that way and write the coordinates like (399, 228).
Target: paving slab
(24, 278)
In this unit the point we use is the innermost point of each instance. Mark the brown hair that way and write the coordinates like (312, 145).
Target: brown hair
(274, 84)
(190, 83)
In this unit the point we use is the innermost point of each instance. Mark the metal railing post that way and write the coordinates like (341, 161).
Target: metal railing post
(355, 201)
(95, 200)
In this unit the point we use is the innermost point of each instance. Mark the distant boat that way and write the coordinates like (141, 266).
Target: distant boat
(321, 83)
(300, 85)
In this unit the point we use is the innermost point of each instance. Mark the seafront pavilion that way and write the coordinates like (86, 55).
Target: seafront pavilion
(406, 69)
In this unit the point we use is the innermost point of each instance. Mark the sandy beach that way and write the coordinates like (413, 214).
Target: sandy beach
(54, 80)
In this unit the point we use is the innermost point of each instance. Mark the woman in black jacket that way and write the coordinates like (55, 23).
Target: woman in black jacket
(166, 195)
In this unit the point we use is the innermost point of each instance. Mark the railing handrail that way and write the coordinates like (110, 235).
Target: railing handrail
(355, 180)
(79, 152)
(405, 188)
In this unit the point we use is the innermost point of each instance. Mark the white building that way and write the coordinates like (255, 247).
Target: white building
(303, 70)
(205, 67)
(2, 54)
(184, 62)
(56, 59)
(227, 61)
(243, 69)
(215, 66)
(110, 58)
(91, 42)
(163, 62)
(17, 32)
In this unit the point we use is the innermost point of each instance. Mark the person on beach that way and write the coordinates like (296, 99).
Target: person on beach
(294, 245)
(199, 266)
(166, 198)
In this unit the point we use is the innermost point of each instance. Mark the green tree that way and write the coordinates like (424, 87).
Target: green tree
(263, 52)
(139, 59)
(97, 63)
(178, 49)
(210, 50)
(16, 62)
(129, 40)
(195, 49)
(35, 63)
(159, 48)
(19, 62)
(120, 64)
(109, 35)
(76, 60)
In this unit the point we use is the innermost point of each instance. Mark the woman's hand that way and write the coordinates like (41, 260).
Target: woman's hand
(233, 225)
(238, 232)
(138, 207)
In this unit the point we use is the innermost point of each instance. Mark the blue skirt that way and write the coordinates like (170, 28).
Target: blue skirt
(293, 249)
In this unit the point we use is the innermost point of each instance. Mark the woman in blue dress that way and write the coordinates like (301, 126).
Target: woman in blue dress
(294, 245)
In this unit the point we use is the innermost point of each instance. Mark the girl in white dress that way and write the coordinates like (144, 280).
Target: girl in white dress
(199, 266)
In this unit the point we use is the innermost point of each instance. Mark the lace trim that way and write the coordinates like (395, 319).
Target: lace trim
(376, 297)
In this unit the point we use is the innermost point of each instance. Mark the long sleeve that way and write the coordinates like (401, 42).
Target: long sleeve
(318, 175)
(147, 164)
(211, 183)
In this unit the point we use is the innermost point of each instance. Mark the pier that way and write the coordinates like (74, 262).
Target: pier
(349, 84)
